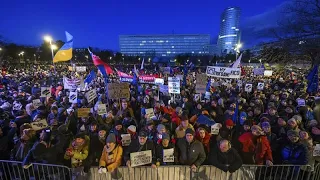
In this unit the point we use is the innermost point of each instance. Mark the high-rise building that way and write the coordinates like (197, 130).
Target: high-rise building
(168, 45)
(229, 35)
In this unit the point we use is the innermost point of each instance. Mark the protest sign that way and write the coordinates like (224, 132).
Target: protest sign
(45, 92)
(316, 150)
(73, 97)
(150, 113)
(118, 90)
(223, 72)
(174, 85)
(268, 73)
(125, 139)
(258, 71)
(140, 158)
(168, 155)
(248, 88)
(102, 109)
(201, 83)
(81, 68)
(301, 102)
(197, 97)
(159, 81)
(83, 112)
(38, 125)
(215, 129)
(71, 83)
(260, 86)
(239, 84)
(91, 95)
(36, 103)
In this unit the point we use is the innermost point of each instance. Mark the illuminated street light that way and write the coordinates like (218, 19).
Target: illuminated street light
(54, 47)
(0, 49)
(48, 38)
(110, 58)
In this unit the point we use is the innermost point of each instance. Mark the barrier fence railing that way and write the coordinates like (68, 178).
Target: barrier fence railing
(12, 170)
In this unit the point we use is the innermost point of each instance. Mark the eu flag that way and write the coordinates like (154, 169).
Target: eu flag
(90, 77)
(313, 80)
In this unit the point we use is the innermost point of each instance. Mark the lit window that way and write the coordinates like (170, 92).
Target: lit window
(233, 27)
(228, 42)
(192, 52)
(143, 41)
(172, 46)
(223, 20)
(167, 41)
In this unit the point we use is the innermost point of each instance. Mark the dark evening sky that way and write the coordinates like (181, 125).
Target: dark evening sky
(98, 23)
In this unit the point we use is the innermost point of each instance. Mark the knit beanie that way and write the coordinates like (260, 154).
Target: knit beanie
(165, 136)
(189, 131)
(111, 138)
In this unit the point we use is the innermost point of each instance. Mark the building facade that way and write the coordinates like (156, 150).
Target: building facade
(229, 35)
(168, 45)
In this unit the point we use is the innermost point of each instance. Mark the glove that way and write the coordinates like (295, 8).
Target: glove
(102, 170)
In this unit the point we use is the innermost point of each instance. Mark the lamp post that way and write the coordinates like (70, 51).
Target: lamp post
(52, 47)
(237, 49)
(21, 54)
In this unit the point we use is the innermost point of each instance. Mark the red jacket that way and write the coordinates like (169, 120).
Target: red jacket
(261, 149)
(205, 141)
(175, 118)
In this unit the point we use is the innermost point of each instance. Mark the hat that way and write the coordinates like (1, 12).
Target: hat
(142, 134)
(111, 138)
(292, 119)
(132, 128)
(190, 131)
(243, 114)
(265, 124)
(160, 126)
(229, 122)
(102, 128)
(298, 118)
(54, 108)
(293, 133)
(165, 136)
(313, 123)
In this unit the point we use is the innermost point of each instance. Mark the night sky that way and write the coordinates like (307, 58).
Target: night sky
(98, 23)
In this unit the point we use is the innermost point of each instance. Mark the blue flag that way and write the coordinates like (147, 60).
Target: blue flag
(208, 88)
(90, 77)
(185, 72)
(313, 80)
(134, 80)
(236, 113)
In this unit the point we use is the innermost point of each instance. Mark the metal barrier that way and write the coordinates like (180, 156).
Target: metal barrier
(13, 170)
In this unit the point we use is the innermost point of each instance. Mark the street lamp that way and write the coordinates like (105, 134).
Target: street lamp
(0, 49)
(49, 39)
(237, 49)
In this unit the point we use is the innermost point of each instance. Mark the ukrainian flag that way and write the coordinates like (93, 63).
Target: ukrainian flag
(65, 52)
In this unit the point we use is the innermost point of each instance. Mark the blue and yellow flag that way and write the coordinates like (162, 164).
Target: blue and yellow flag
(65, 52)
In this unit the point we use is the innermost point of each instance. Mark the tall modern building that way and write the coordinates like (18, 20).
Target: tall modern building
(229, 35)
(168, 45)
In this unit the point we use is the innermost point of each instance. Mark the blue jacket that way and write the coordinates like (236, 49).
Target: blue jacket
(295, 154)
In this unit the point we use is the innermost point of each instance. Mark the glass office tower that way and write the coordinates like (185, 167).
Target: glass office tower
(229, 35)
(168, 45)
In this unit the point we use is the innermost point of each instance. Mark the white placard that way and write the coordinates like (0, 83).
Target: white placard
(214, 130)
(150, 113)
(197, 97)
(239, 84)
(38, 125)
(174, 85)
(268, 73)
(140, 158)
(168, 155)
(81, 68)
(159, 81)
(301, 102)
(71, 83)
(73, 97)
(201, 83)
(248, 88)
(316, 150)
(260, 86)
(223, 72)
(36, 103)
(125, 139)
(45, 92)
(91, 95)
(102, 109)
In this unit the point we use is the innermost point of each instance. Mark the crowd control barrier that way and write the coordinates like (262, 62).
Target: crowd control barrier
(11, 170)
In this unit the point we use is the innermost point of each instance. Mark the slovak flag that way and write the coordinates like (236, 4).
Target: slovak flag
(103, 67)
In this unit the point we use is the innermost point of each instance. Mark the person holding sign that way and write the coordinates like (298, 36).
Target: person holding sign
(191, 151)
(138, 145)
(163, 157)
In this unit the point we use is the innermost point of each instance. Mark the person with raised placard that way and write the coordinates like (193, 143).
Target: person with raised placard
(165, 144)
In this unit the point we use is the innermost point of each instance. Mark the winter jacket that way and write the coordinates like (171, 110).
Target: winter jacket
(40, 153)
(294, 153)
(136, 147)
(181, 132)
(205, 141)
(6, 144)
(226, 161)
(111, 160)
(159, 154)
(80, 153)
(191, 153)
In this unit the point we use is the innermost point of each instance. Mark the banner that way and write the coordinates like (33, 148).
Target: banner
(268, 73)
(102, 109)
(83, 112)
(223, 72)
(38, 125)
(118, 90)
(258, 71)
(174, 85)
(125, 139)
(147, 79)
(248, 88)
(91, 95)
(45, 92)
(201, 80)
(159, 81)
(70, 83)
(73, 97)
(140, 158)
(168, 155)
(81, 68)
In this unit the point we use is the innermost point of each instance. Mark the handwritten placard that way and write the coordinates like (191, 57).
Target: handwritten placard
(118, 90)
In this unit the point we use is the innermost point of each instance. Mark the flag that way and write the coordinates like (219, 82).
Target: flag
(103, 67)
(185, 72)
(208, 87)
(313, 80)
(142, 64)
(134, 80)
(122, 74)
(90, 77)
(65, 52)
(235, 115)
(237, 63)
(135, 71)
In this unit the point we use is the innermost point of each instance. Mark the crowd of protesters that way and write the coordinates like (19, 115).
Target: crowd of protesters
(277, 125)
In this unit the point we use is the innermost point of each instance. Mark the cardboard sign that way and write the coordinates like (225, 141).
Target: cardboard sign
(223, 72)
(102, 109)
(118, 90)
(150, 113)
(316, 150)
(83, 112)
(81, 68)
(201, 83)
(159, 81)
(248, 88)
(301, 102)
(174, 85)
(91, 95)
(260, 86)
(125, 139)
(45, 92)
(168, 155)
(73, 97)
(38, 125)
(140, 158)
(36, 103)
(215, 130)
(268, 73)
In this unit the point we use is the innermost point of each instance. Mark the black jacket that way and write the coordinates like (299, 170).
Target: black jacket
(39, 153)
(228, 161)
(6, 144)
(192, 153)
(159, 154)
(136, 147)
